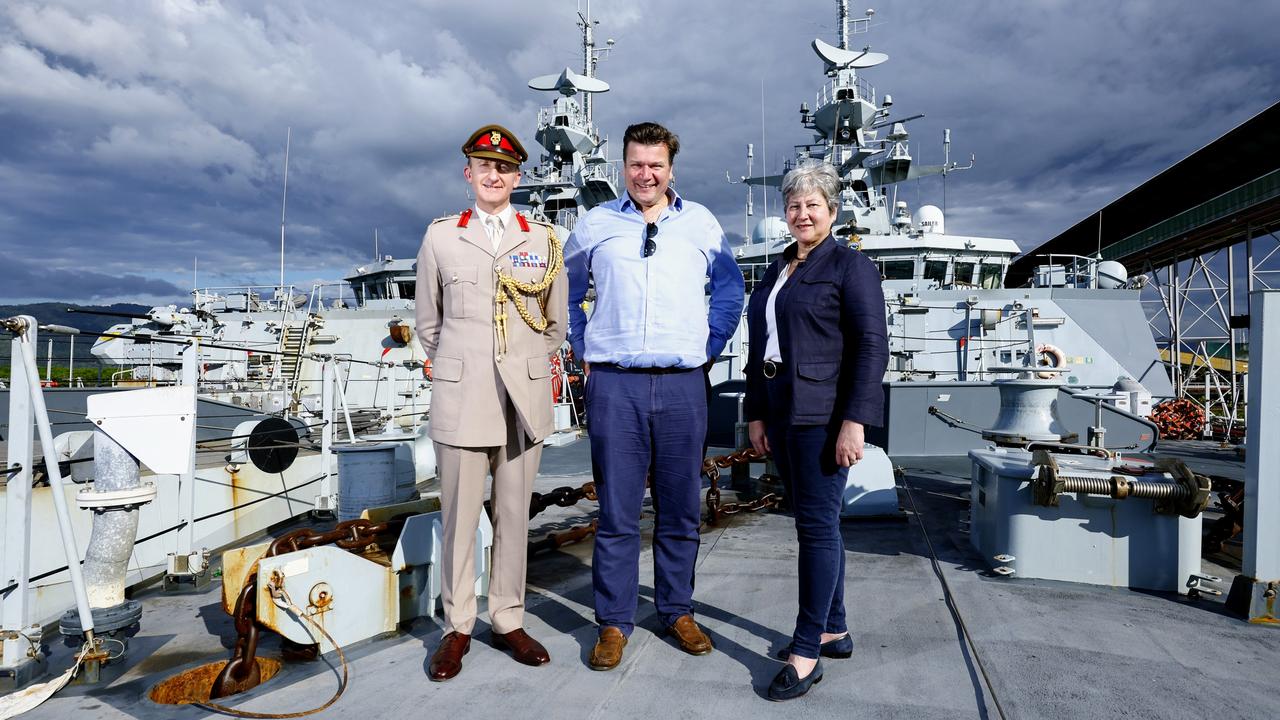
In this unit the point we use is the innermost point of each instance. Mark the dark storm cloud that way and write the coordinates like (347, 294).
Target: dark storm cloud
(136, 138)
(31, 279)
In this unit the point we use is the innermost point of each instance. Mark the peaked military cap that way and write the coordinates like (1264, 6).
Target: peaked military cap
(495, 142)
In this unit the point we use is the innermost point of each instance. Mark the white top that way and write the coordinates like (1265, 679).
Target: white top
(771, 351)
(503, 216)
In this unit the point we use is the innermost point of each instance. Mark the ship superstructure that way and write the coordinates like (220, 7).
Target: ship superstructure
(950, 318)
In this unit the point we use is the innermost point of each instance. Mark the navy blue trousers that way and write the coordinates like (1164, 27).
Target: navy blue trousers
(645, 423)
(805, 456)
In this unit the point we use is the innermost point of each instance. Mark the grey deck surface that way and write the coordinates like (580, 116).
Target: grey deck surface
(1052, 650)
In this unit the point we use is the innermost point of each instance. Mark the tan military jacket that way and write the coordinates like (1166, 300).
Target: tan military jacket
(457, 279)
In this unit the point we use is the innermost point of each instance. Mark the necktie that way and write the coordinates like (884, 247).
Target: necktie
(493, 224)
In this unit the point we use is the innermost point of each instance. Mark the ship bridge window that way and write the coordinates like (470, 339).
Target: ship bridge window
(991, 275)
(936, 271)
(860, 191)
(359, 293)
(898, 269)
(405, 288)
(964, 273)
(562, 121)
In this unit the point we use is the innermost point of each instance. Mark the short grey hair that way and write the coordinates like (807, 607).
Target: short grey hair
(811, 177)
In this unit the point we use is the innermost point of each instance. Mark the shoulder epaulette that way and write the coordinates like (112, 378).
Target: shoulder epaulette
(442, 218)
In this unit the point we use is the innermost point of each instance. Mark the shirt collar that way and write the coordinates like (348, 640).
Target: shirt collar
(504, 215)
(674, 201)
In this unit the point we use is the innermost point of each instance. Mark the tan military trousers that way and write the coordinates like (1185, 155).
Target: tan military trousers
(462, 480)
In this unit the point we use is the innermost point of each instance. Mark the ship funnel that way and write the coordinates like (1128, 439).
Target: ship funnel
(569, 83)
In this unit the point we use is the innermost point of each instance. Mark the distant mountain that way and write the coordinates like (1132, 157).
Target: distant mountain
(57, 314)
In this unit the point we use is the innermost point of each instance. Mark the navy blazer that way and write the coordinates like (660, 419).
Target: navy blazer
(832, 335)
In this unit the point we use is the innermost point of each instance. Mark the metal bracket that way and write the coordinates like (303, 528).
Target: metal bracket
(104, 500)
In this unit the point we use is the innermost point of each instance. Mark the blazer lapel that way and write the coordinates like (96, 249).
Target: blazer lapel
(474, 233)
(512, 237)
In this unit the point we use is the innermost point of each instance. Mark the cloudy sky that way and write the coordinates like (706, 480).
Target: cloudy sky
(137, 136)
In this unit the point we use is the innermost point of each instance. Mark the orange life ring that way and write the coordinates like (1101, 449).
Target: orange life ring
(426, 368)
(1049, 356)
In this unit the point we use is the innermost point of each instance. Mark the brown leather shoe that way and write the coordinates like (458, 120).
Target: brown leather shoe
(608, 650)
(523, 648)
(691, 638)
(446, 662)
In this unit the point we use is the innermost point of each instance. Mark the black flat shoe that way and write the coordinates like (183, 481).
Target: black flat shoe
(840, 648)
(788, 685)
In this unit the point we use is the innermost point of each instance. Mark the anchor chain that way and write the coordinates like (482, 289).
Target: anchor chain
(1179, 419)
(561, 497)
(241, 671)
(717, 510)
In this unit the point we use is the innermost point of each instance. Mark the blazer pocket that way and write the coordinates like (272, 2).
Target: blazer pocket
(817, 291)
(446, 369)
(818, 371)
(539, 367)
(459, 283)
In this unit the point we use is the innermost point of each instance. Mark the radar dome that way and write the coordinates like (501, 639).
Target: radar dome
(770, 230)
(1112, 275)
(929, 219)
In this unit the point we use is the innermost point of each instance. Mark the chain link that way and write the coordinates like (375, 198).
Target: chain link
(561, 497)
(717, 510)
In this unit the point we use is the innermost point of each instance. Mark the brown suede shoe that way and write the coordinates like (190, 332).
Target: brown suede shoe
(523, 648)
(446, 662)
(608, 650)
(691, 638)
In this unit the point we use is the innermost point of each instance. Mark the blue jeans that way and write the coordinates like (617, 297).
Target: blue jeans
(805, 456)
(645, 423)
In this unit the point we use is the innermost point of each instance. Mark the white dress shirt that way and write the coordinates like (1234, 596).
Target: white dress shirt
(771, 350)
(503, 216)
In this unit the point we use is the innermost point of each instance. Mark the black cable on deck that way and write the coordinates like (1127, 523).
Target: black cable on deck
(950, 598)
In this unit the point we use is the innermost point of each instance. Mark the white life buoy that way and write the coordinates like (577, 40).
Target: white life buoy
(1049, 356)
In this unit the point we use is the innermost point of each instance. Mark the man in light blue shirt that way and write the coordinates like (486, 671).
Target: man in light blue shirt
(652, 256)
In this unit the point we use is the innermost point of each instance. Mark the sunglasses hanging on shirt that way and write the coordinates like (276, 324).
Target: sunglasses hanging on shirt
(650, 245)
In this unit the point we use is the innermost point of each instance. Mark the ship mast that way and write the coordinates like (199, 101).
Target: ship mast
(590, 55)
(843, 9)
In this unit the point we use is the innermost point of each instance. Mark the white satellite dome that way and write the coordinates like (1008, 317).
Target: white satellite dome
(770, 230)
(1112, 275)
(929, 219)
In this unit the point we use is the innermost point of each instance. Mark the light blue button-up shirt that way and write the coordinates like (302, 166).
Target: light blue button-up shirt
(650, 312)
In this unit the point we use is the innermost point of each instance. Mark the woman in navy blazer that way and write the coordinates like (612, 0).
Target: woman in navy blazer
(818, 353)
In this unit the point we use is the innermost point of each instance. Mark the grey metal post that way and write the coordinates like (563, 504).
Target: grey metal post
(326, 435)
(1248, 253)
(1175, 322)
(1234, 405)
(70, 549)
(346, 411)
(187, 481)
(1259, 579)
(15, 558)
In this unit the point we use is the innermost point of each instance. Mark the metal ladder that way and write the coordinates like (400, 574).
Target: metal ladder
(293, 344)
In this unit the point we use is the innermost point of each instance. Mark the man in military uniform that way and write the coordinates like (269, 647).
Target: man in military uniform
(491, 309)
